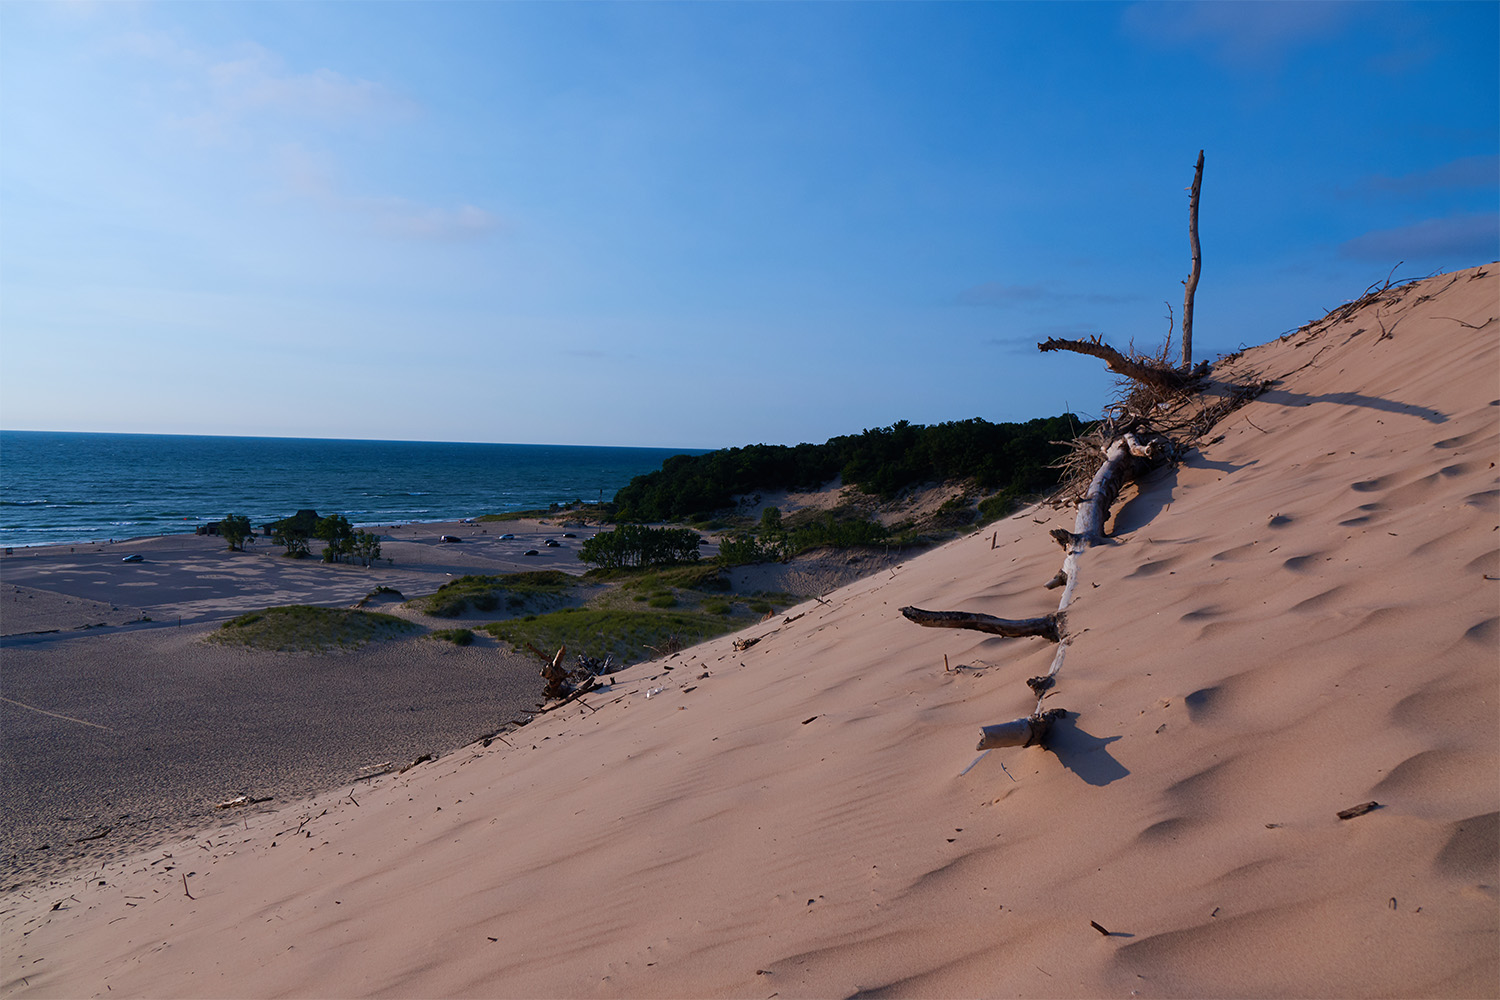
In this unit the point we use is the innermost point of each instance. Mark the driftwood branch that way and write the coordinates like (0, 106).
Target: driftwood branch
(1166, 381)
(1192, 281)
(1045, 626)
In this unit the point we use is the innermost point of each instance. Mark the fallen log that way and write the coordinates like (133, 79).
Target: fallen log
(1166, 381)
(1045, 626)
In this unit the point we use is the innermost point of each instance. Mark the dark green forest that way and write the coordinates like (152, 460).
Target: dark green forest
(1007, 458)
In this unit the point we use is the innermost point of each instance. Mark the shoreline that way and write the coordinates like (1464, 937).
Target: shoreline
(500, 517)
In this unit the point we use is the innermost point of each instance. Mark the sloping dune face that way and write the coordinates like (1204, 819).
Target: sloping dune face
(1301, 617)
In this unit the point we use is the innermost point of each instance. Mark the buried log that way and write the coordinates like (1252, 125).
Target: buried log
(1045, 626)
(1027, 732)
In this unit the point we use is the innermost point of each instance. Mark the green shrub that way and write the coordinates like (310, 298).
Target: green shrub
(640, 546)
(663, 601)
(457, 636)
(995, 507)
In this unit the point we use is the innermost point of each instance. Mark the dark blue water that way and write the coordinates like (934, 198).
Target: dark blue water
(57, 487)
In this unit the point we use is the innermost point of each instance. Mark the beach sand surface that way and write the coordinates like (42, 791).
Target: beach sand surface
(1301, 617)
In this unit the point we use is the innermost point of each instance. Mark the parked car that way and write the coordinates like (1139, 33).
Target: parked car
(135, 557)
(552, 544)
(531, 552)
(507, 537)
(569, 534)
(450, 538)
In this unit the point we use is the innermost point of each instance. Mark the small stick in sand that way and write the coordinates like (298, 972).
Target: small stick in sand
(1096, 926)
(185, 888)
(1358, 810)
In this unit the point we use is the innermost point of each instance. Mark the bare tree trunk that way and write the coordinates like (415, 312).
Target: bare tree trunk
(1192, 282)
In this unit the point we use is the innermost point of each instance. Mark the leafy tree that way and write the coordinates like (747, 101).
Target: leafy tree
(293, 537)
(338, 536)
(639, 545)
(366, 547)
(237, 531)
(882, 460)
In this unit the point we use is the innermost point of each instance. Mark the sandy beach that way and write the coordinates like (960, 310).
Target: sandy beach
(1301, 617)
(120, 717)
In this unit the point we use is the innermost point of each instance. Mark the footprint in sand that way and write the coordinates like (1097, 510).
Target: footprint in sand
(1319, 601)
(1484, 501)
(1154, 567)
(1461, 440)
(1200, 704)
(1362, 514)
(1164, 832)
(1238, 552)
(1473, 849)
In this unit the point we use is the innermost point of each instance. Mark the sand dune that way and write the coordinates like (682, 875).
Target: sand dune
(1301, 617)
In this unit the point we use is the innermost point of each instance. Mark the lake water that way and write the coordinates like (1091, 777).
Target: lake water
(67, 488)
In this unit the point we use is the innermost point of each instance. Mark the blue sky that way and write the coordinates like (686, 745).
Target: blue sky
(697, 225)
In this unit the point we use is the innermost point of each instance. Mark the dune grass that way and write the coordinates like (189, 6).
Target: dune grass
(489, 593)
(305, 628)
(627, 636)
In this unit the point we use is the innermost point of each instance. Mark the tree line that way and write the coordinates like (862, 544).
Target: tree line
(1015, 458)
(341, 542)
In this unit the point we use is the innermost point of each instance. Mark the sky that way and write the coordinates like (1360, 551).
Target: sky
(698, 225)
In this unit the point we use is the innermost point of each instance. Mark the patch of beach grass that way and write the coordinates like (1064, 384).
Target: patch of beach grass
(486, 593)
(628, 636)
(457, 636)
(304, 628)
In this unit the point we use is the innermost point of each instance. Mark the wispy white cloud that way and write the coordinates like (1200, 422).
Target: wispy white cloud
(1466, 173)
(1001, 294)
(247, 99)
(1242, 33)
(1456, 240)
(412, 221)
(219, 97)
(313, 175)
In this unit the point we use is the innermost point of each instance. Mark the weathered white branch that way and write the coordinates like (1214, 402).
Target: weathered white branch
(1045, 626)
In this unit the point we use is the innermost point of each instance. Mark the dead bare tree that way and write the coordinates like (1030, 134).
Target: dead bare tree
(1192, 281)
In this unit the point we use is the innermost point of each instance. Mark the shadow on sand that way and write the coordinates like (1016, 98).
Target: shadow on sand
(1083, 753)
